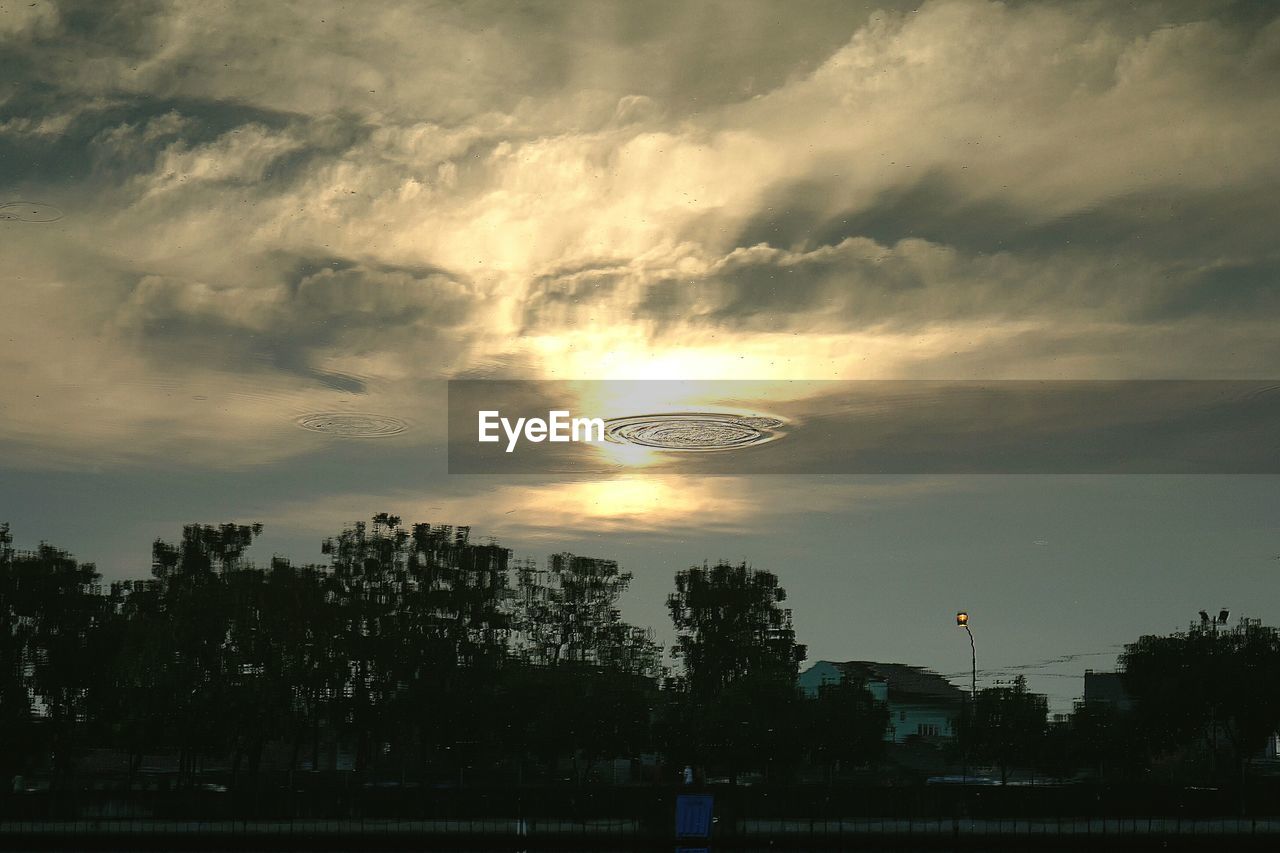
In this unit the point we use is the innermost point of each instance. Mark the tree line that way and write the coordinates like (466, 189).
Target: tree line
(416, 653)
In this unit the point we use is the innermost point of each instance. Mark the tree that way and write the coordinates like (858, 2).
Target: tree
(456, 630)
(369, 580)
(581, 712)
(730, 623)
(1208, 687)
(15, 695)
(736, 704)
(844, 725)
(190, 669)
(303, 632)
(424, 634)
(588, 677)
(1006, 726)
(570, 614)
(51, 621)
(1101, 737)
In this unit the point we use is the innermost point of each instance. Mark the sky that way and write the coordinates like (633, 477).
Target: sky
(219, 220)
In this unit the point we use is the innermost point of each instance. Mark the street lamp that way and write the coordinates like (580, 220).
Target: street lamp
(962, 619)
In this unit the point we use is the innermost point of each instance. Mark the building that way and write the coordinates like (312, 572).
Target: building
(1106, 687)
(922, 704)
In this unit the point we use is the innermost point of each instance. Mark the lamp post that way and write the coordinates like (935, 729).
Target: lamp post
(962, 619)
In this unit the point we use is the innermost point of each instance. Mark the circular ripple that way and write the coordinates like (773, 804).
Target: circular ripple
(694, 431)
(352, 424)
(29, 211)
(1262, 392)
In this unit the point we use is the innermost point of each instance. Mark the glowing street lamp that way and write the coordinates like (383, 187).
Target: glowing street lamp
(962, 619)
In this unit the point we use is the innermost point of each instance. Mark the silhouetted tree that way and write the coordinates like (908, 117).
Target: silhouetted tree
(303, 631)
(261, 687)
(588, 678)
(51, 615)
(458, 629)
(189, 672)
(15, 694)
(16, 720)
(1217, 688)
(370, 579)
(730, 623)
(570, 613)
(424, 630)
(1006, 726)
(735, 702)
(579, 712)
(844, 725)
(1096, 736)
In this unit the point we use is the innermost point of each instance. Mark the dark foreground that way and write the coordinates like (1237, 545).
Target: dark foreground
(330, 816)
(744, 834)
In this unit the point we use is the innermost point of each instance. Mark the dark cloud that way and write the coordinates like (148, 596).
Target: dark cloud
(860, 284)
(320, 305)
(1164, 224)
(492, 55)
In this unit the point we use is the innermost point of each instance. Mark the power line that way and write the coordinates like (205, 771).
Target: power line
(1039, 665)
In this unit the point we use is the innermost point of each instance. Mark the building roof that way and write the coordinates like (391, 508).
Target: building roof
(905, 683)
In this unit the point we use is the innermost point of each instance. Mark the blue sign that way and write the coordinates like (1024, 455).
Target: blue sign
(693, 815)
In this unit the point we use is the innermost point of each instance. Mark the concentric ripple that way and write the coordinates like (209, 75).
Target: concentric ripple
(1264, 393)
(29, 211)
(352, 424)
(694, 431)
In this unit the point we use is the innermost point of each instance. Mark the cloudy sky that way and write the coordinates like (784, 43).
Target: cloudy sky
(217, 219)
